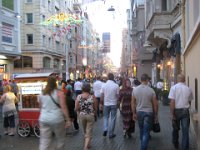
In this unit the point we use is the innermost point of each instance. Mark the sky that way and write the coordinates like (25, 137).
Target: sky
(113, 22)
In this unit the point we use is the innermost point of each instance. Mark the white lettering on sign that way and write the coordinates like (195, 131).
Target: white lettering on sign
(32, 89)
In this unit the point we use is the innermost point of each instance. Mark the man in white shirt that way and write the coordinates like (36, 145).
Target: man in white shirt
(78, 87)
(180, 96)
(159, 88)
(97, 88)
(109, 97)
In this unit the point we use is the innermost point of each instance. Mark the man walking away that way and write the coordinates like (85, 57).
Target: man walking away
(145, 109)
(180, 96)
(97, 88)
(78, 87)
(109, 97)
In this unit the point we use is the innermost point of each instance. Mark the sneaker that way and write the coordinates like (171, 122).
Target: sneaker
(112, 136)
(11, 134)
(105, 133)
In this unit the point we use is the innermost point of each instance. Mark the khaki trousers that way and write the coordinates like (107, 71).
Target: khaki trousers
(87, 123)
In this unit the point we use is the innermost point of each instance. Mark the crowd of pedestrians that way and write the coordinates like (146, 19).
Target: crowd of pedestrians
(82, 102)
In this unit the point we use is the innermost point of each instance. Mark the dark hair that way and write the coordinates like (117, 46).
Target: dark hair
(51, 85)
(144, 77)
(124, 82)
(110, 76)
(136, 82)
(86, 87)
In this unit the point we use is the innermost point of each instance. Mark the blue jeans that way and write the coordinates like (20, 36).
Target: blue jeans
(183, 119)
(145, 121)
(106, 115)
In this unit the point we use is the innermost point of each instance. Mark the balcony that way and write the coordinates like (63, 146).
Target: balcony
(159, 28)
(77, 7)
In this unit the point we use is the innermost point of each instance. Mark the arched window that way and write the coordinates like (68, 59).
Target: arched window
(27, 61)
(56, 63)
(46, 62)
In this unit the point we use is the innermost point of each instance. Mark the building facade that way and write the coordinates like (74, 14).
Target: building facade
(141, 60)
(163, 38)
(46, 46)
(191, 53)
(10, 46)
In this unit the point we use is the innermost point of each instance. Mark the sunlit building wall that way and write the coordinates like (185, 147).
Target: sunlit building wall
(10, 47)
(191, 53)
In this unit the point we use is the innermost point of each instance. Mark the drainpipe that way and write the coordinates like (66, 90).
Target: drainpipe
(183, 32)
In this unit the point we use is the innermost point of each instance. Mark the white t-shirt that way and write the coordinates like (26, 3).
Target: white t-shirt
(111, 91)
(78, 86)
(159, 85)
(182, 95)
(50, 112)
(97, 88)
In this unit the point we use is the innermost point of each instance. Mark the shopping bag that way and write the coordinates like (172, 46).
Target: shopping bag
(156, 127)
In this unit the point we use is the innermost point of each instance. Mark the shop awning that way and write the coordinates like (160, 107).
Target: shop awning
(33, 75)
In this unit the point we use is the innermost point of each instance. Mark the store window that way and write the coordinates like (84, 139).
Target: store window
(24, 61)
(29, 38)
(63, 65)
(8, 4)
(56, 63)
(29, 18)
(196, 94)
(46, 62)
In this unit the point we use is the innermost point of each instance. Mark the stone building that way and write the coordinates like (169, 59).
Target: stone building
(10, 46)
(45, 47)
(191, 53)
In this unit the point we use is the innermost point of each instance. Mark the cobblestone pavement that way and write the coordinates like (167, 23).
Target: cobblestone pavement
(74, 141)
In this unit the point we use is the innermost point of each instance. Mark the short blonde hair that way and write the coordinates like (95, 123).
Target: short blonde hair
(7, 88)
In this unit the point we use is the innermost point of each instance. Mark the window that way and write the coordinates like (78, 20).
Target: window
(196, 94)
(188, 81)
(49, 4)
(56, 9)
(43, 3)
(7, 33)
(70, 59)
(57, 45)
(43, 40)
(24, 61)
(164, 5)
(43, 17)
(27, 61)
(49, 42)
(29, 1)
(56, 63)
(76, 30)
(18, 63)
(63, 65)
(29, 18)
(8, 4)
(46, 62)
(70, 45)
(29, 38)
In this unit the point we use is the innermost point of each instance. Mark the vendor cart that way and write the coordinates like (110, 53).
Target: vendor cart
(30, 86)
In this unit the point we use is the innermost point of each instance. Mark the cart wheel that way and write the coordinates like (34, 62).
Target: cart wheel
(23, 129)
(36, 130)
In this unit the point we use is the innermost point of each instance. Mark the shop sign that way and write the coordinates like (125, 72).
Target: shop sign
(32, 89)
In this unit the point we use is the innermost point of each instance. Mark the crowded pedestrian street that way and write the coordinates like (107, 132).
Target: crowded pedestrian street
(74, 139)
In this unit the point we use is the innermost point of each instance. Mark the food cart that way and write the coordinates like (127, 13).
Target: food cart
(30, 86)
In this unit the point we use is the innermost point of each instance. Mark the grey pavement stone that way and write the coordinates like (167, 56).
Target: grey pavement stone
(74, 141)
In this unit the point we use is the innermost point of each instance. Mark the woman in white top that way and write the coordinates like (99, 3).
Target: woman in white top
(9, 110)
(52, 116)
